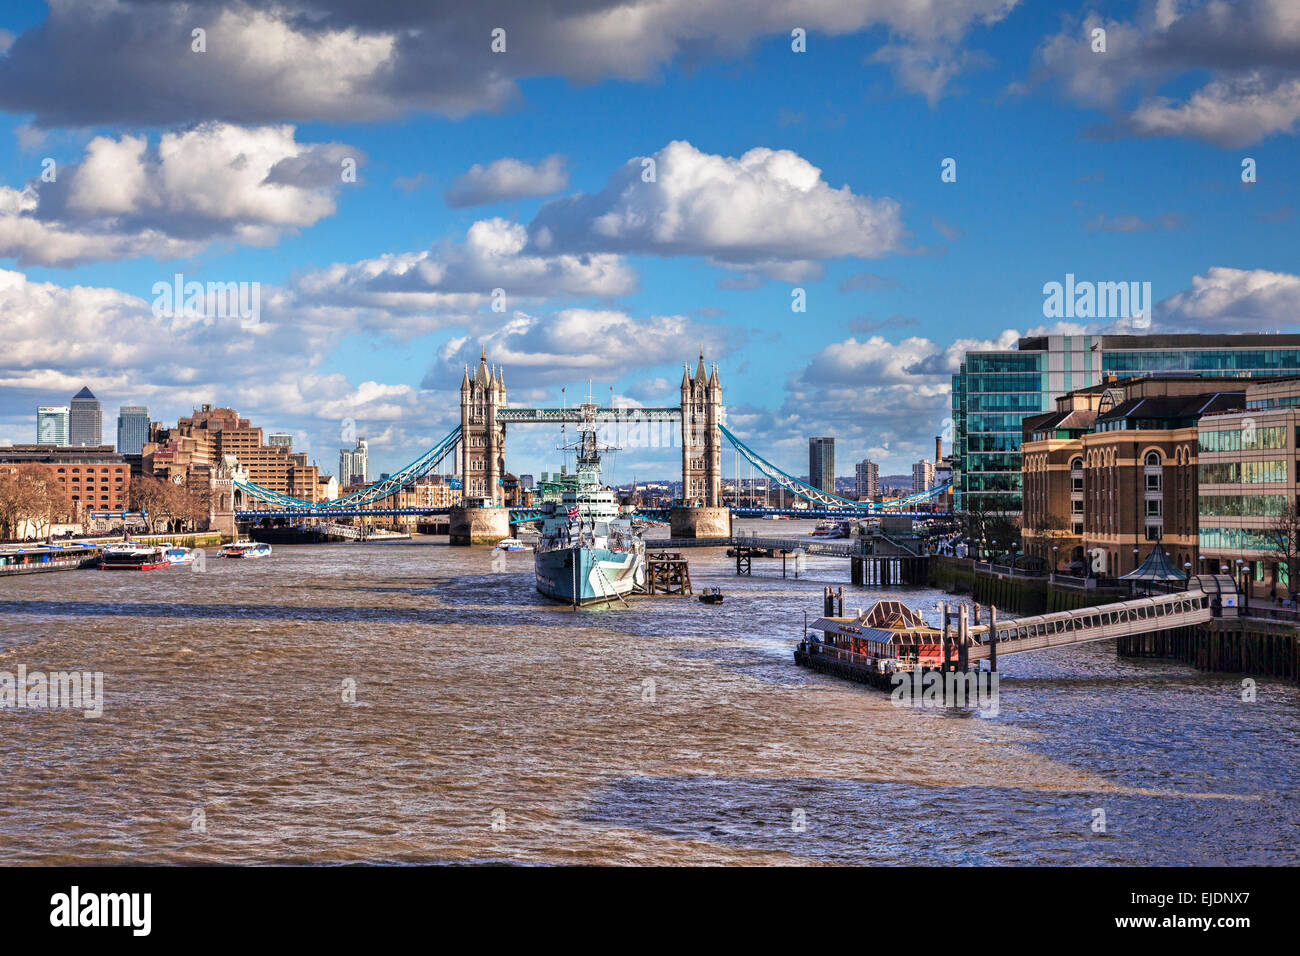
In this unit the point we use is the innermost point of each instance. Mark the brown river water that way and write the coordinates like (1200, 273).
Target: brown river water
(492, 725)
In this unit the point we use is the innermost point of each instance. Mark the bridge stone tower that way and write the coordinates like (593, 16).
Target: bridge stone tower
(483, 438)
(701, 449)
(481, 517)
(700, 514)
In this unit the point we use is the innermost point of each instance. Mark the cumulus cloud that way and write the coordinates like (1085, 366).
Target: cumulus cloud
(53, 342)
(105, 61)
(575, 344)
(1233, 300)
(444, 285)
(507, 179)
(214, 182)
(768, 210)
(1250, 48)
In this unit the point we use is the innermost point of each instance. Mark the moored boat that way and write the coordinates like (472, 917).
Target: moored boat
(47, 557)
(830, 529)
(133, 557)
(591, 550)
(512, 544)
(245, 549)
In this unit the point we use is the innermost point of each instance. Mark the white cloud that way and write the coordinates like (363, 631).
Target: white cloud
(435, 288)
(768, 210)
(575, 344)
(1251, 49)
(211, 183)
(1234, 300)
(507, 179)
(92, 63)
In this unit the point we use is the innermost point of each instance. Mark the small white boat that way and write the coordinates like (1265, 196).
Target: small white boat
(512, 544)
(245, 549)
(830, 529)
(179, 555)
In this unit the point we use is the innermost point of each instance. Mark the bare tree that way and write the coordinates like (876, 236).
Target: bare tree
(30, 500)
(154, 498)
(1283, 537)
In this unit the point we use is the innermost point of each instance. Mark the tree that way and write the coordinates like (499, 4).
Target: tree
(153, 497)
(1283, 536)
(1053, 529)
(30, 501)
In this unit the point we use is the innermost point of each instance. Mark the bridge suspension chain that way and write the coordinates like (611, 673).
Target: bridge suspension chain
(809, 493)
(377, 491)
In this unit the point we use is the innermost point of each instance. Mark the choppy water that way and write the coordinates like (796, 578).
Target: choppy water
(493, 725)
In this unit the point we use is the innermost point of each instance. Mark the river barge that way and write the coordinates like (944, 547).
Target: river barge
(47, 557)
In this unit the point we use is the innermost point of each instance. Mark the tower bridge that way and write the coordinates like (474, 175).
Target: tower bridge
(478, 447)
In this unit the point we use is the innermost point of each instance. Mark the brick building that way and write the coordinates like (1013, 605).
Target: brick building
(93, 477)
(202, 439)
(1114, 470)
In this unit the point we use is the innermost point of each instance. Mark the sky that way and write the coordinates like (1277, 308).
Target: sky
(833, 199)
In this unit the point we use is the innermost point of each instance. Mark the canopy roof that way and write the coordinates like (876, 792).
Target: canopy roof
(1156, 567)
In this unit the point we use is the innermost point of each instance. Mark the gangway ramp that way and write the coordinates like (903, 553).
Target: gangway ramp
(1102, 623)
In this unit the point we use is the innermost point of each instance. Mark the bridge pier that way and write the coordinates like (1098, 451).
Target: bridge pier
(478, 525)
(699, 522)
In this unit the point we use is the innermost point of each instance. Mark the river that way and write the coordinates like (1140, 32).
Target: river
(492, 725)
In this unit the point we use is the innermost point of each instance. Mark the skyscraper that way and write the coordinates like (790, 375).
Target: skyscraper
(923, 475)
(52, 424)
(821, 464)
(867, 473)
(85, 427)
(354, 464)
(132, 429)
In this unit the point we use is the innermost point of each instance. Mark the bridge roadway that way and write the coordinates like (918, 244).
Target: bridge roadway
(524, 514)
(1102, 623)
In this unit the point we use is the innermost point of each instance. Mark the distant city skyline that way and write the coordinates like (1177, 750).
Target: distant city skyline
(837, 220)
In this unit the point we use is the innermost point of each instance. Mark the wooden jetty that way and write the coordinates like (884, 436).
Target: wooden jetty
(667, 573)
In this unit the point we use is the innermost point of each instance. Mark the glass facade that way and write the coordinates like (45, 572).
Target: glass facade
(993, 392)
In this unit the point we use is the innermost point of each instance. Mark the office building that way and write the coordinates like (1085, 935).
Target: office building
(85, 425)
(354, 465)
(202, 440)
(52, 425)
(994, 391)
(821, 464)
(922, 476)
(867, 480)
(132, 429)
(1113, 471)
(1247, 464)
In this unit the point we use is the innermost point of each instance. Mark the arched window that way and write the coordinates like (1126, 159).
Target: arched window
(1153, 458)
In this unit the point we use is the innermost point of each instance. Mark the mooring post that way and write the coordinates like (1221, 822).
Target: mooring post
(963, 634)
(993, 638)
(947, 644)
(977, 614)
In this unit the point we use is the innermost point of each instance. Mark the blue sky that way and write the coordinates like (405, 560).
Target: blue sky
(1123, 165)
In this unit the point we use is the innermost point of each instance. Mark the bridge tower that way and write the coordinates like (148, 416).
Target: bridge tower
(483, 438)
(701, 440)
(481, 517)
(700, 514)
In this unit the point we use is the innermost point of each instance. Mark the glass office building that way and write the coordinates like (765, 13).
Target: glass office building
(132, 429)
(994, 391)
